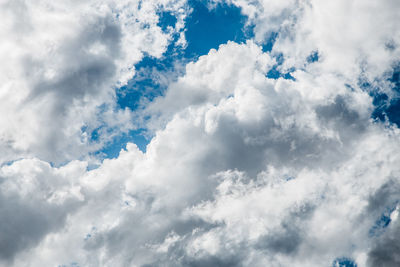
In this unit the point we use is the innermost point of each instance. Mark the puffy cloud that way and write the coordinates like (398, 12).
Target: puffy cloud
(350, 37)
(308, 220)
(269, 182)
(63, 63)
(35, 200)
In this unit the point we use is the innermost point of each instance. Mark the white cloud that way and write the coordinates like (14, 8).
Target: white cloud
(35, 200)
(274, 184)
(243, 170)
(61, 61)
(350, 36)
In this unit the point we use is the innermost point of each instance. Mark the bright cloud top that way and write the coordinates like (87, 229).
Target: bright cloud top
(279, 147)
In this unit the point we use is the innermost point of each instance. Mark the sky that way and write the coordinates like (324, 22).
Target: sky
(199, 133)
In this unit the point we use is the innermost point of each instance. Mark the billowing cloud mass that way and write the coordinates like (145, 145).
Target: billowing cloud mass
(280, 150)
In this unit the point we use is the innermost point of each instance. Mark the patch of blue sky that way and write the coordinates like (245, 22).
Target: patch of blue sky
(11, 162)
(209, 27)
(313, 57)
(344, 262)
(166, 19)
(113, 148)
(269, 42)
(383, 221)
(276, 73)
(386, 108)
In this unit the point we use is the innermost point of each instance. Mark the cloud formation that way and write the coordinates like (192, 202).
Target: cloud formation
(244, 169)
(64, 61)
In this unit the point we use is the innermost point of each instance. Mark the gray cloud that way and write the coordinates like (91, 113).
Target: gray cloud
(32, 205)
(386, 250)
(289, 235)
(24, 224)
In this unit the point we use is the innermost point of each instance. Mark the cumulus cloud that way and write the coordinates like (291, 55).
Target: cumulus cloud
(243, 170)
(63, 61)
(35, 200)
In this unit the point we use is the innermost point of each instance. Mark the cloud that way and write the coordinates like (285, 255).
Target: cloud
(385, 251)
(243, 170)
(64, 61)
(271, 184)
(35, 200)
